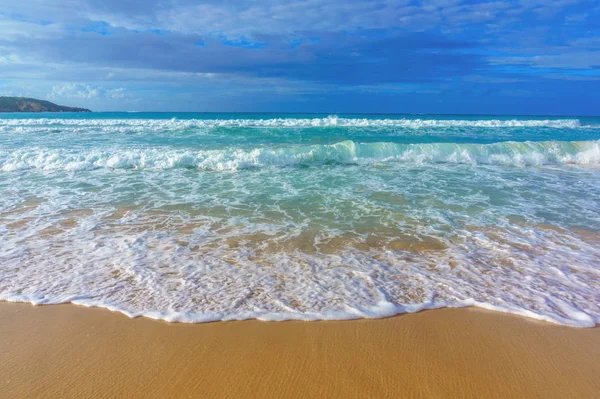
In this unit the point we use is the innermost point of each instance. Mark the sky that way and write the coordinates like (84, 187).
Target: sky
(381, 56)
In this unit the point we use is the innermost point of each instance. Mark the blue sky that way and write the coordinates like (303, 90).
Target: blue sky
(438, 56)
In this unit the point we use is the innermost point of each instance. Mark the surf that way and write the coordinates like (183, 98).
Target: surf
(345, 152)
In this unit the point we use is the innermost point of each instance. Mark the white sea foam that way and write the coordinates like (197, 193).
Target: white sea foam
(507, 153)
(151, 275)
(140, 229)
(313, 244)
(331, 121)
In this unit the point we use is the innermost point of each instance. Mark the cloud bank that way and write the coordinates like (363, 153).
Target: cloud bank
(525, 56)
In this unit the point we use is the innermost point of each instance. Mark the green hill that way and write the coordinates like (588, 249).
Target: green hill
(24, 104)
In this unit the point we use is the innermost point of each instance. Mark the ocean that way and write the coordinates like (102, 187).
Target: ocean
(202, 217)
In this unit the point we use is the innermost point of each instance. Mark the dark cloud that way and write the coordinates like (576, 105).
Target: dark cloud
(341, 58)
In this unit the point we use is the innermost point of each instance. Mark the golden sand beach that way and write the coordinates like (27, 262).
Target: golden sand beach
(67, 351)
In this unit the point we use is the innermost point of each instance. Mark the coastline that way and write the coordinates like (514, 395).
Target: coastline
(71, 351)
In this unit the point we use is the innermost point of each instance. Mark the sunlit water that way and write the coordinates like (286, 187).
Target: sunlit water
(201, 217)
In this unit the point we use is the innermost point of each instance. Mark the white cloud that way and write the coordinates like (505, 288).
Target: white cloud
(275, 17)
(115, 93)
(73, 90)
(85, 91)
(13, 30)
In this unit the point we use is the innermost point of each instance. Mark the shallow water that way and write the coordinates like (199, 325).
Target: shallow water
(200, 217)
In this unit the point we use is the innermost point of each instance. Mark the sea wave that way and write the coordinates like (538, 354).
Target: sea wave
(504, 153)
(156, 276)
(330, 121)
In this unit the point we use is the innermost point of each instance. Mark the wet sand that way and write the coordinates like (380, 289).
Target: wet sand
(66, 351)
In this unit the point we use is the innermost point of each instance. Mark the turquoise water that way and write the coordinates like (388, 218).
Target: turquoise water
(200, 217)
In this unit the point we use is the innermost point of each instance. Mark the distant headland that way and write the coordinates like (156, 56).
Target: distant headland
(24, 104)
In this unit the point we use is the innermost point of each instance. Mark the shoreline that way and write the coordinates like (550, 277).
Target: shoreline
(376, 312)
(72, 351)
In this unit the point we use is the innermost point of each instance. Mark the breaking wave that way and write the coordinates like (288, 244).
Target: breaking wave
(505, 153)
(330, 121)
